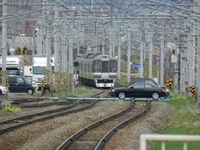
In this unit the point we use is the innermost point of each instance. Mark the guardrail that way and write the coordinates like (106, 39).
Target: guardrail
(158, 137)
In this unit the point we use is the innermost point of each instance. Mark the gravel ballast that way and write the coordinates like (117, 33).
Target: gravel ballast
(49, 134)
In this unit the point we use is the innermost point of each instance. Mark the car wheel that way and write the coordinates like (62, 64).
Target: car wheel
(30, 91)
(155, 95)
(1, 92)
(121, 95)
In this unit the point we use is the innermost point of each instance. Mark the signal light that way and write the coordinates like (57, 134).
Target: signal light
(76, 64)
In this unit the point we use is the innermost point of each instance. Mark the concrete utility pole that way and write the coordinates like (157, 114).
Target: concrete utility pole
(56, 42)
(141, 59)
(162, 49)
(48, 51)
(119, 57)
(150, 54)
(4, 42)
(142, 48)
(110, 43)
(198, 60)
(63, 50)
(128, 56)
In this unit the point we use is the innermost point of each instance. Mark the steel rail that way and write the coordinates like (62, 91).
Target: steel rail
(116, 128)
(38, 114)
(56, 111)
(44, 104)
(68, 141)
(11, 128)
(22, 100)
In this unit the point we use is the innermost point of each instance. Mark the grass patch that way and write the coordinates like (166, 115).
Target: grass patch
(10, 108)
(187, 122)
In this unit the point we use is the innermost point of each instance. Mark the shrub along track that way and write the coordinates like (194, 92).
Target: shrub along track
(95, 135)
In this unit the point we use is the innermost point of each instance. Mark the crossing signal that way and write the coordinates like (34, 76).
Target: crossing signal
(169, 83)
(20, 51)
(192, 90)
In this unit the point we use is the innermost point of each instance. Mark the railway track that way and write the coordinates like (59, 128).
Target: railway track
(18, 122)
(97, 134)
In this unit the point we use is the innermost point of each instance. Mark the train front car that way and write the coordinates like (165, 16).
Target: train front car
(104, 71)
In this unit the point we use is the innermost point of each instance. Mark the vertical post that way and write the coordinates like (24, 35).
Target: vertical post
(198, 64)
(162, 49)
(56, 50)
(119, 58)
(103, 46)
(128, 56)
(141, 59)
(142, 48)
(33, 52)
(157, 73)
(150, 55)
(48, 51)
(71, 67)
(4, 42)
(110, 42)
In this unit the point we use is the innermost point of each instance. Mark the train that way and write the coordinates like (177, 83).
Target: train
(99, 70)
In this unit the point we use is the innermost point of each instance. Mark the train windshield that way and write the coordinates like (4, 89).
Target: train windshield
(104, 66)
(97, 66)
(113, 65)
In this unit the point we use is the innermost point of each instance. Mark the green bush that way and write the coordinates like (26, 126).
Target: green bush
(10, 108)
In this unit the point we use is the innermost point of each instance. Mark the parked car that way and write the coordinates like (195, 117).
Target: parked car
(34, 83)
(140, 90)
(3, 90)
(20, 84)
(147, 80)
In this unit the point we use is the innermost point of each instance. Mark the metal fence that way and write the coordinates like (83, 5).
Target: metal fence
(166, 138)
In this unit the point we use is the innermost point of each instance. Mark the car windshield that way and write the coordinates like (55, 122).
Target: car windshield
(29, 79)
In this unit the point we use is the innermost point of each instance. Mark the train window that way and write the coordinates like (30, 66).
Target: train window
(113, 65)
(97, 66)
(104, 66)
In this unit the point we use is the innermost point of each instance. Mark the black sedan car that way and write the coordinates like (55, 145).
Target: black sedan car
(19, 84)
(140, 90)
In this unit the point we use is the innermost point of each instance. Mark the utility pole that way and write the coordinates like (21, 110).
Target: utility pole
(198, 61)
(71, 56)
(162, 49)
(128, 56)
(141, 59)
(142, 47)
(56, 49)
(48, 48)
(4, 42)
(119, 57)
(110, 42)
(150, 54)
